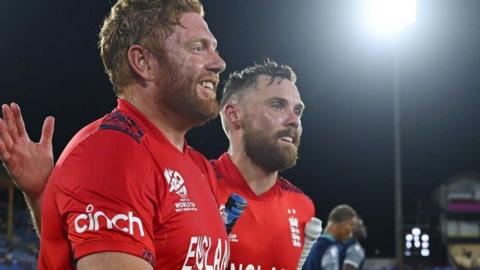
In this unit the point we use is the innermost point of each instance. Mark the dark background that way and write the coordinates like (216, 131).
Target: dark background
(50, 65)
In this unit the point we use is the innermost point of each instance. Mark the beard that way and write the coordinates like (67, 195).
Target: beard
(266, 152)
(179, 94)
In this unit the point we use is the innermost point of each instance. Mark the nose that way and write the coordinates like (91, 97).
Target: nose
(293, 119)
(216, 63)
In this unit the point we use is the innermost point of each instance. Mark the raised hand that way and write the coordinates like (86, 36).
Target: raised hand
(27, 162)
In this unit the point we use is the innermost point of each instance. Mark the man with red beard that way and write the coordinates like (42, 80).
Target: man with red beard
(128, 192)
(261, 112)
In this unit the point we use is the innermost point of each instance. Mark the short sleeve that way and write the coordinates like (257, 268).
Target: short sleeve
(105, 194)
(354, 255)
(330, 259)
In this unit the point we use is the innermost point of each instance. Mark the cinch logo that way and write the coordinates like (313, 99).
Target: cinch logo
(175, 180)
(94, 221)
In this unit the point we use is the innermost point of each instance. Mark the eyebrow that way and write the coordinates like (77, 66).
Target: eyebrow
(297, 105)
(205, 40)
(300, 105)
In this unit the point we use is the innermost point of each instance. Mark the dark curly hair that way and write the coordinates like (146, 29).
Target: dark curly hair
(239, 81)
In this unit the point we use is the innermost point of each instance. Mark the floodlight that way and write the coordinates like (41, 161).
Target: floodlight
(425, 252)
(425, 237)
(390, 16)
(408, 237)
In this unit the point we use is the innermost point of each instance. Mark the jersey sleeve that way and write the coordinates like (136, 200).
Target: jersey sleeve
(106, 196)
(354, 255)
(330, 259)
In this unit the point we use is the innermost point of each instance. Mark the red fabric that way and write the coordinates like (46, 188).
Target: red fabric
(121, 186)
(266, 234)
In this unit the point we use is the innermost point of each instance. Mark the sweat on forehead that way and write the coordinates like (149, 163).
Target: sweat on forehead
(143, 22)
(239, 81)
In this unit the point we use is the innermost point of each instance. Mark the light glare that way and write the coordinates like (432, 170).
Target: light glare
(408, 237)
(425, 252)
(425, 237)
(416, 231)
(391, 16)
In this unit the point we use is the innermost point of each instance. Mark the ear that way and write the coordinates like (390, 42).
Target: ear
(141, 61)
(232, 114)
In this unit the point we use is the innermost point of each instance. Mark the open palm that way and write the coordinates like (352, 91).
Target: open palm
(27, 162)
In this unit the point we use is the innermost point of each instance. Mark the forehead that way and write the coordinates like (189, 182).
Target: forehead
(353, 221)
(192, 27)
(279, 88)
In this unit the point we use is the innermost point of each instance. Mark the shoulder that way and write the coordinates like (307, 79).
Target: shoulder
(113, 139)
(288, 186)
(121, 122)
(354, 255)
(296, 196)
(331, 254)
(115, 126)
(294, 191)
(356, 249)
(324, 243)
(332, 250)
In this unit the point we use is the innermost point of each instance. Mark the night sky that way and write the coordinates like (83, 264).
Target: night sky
(50, 65)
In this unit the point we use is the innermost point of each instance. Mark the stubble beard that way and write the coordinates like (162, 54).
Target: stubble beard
(266, 152)
(178, 92)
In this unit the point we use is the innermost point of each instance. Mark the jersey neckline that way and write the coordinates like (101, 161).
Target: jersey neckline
(125, 106)
(232, 174)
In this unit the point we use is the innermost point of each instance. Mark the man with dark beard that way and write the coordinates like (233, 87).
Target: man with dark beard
(128, 192)
(261, 112)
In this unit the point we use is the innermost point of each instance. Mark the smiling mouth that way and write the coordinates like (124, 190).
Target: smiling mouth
(287, 139)
(208, 84)
(207, 89)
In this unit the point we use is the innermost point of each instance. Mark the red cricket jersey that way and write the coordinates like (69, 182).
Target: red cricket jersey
(269, 234)
(121, 186)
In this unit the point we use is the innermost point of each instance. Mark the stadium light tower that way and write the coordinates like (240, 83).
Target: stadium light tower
(390, 17)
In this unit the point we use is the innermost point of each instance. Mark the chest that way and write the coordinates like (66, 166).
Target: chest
(271, 229)
(188, 229)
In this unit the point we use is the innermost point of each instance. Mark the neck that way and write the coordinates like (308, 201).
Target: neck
(332, 230)
(258, 179)
(168, 122)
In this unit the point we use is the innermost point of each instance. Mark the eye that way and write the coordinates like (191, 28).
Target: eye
(198, 49)
(298, 111)
(277, 105)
